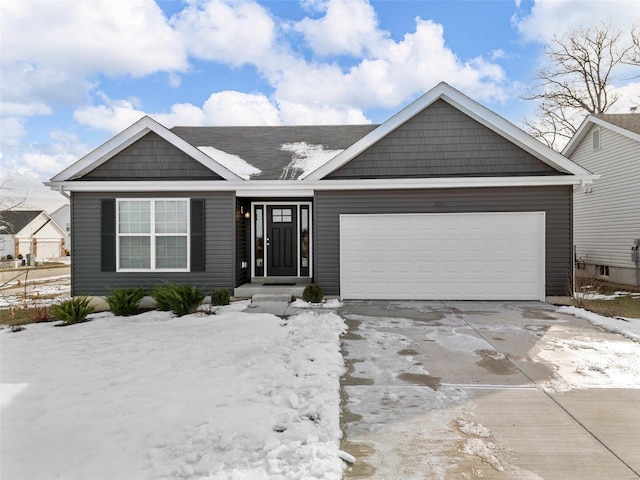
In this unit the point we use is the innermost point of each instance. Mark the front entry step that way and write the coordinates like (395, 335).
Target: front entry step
(271, 298)
(248, 290)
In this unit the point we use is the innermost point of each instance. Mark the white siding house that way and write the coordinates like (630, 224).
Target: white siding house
(30, 232)
(607, 213)
(62, 216)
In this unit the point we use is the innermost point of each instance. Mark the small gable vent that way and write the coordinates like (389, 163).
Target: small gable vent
(595, 138)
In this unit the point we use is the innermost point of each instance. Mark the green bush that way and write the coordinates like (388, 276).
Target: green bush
(180, 299)
(220, 297)
(312, 293)
(124, 301)
(72, 311)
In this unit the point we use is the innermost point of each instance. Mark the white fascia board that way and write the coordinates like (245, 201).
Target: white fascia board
(274, 188)
(585, 127)
(470, 107)
(129, 136)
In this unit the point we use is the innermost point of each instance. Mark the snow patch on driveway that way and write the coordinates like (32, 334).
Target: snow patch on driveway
(591, 363)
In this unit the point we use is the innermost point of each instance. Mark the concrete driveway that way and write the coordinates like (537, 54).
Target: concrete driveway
(487, 390)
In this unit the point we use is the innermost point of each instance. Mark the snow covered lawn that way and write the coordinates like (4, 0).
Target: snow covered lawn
(227, 396)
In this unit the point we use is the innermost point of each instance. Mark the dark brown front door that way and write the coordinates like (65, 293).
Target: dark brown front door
(282, 241)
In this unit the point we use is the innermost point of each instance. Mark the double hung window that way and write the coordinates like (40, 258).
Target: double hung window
(153, 234)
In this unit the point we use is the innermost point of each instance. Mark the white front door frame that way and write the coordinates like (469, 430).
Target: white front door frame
(264, 205)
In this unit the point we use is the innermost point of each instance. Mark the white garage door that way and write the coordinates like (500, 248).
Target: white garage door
(466, 256)
(48, 249)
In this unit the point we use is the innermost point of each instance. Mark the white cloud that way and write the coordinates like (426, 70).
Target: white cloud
(398, 71)
(557, 17)
(12, 132)
(293, 113)
(115, 37)
(233, 32)
(51, 50)
(24, 109)
(349, 27)
(629, 97)
(113, 117)
(221, 108)
(23, 172)
(236, 108)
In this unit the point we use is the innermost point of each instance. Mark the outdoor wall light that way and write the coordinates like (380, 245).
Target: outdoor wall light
(247, 215)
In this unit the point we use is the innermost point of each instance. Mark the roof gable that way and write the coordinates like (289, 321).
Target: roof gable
(151, 158)
(442, 141)
(626, 124)
(127, 138)
(16, 220)
(472, 109)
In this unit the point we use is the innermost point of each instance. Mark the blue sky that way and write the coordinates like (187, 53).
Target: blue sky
(76, 72)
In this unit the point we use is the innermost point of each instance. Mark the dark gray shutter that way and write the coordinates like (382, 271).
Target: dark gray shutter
(108, 235)
(197, 235)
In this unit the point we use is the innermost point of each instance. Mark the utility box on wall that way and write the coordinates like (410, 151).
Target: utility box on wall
(635, 251)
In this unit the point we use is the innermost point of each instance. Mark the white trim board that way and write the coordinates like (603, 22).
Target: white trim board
(280, 188)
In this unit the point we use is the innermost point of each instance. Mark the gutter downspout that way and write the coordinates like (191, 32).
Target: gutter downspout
(63, 193)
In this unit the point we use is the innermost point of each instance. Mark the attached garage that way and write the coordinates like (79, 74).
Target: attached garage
(455, 256)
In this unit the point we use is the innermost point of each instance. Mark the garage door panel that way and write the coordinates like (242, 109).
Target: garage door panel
(450, 256)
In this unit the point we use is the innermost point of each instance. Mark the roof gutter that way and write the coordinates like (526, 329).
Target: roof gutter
(291, 187)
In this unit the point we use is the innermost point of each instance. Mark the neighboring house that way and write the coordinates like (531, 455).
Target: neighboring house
(62, 216)
(607, 214)
(30, 232)
(445, 200)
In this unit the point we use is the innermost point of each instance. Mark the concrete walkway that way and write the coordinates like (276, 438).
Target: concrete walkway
(454, 390)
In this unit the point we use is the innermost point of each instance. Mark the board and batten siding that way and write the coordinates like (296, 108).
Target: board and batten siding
(442, 141)
(555, 201)
(87, 277)
(608, 218)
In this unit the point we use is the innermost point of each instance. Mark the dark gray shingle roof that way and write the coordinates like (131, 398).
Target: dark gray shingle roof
(16, 220)
(628, 121)
(262, 146)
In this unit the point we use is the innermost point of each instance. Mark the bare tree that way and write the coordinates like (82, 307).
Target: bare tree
(578, 79)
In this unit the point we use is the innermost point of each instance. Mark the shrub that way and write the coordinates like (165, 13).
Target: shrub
(180, 299)
(40, 314)
(312, 293)
(124, 301)
(72, 311)
(220, 297)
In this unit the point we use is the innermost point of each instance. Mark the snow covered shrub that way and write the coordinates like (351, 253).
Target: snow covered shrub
(220, 296)
(180, 299)
(312, 293)
(72, 311)
(124, 301)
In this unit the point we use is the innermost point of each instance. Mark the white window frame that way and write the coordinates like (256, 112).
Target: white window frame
(153, 235)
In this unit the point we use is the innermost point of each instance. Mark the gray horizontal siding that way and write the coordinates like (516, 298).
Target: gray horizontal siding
(442, 141)
(607, 219)
(87, 277)
(555, 201)
(151, 158)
